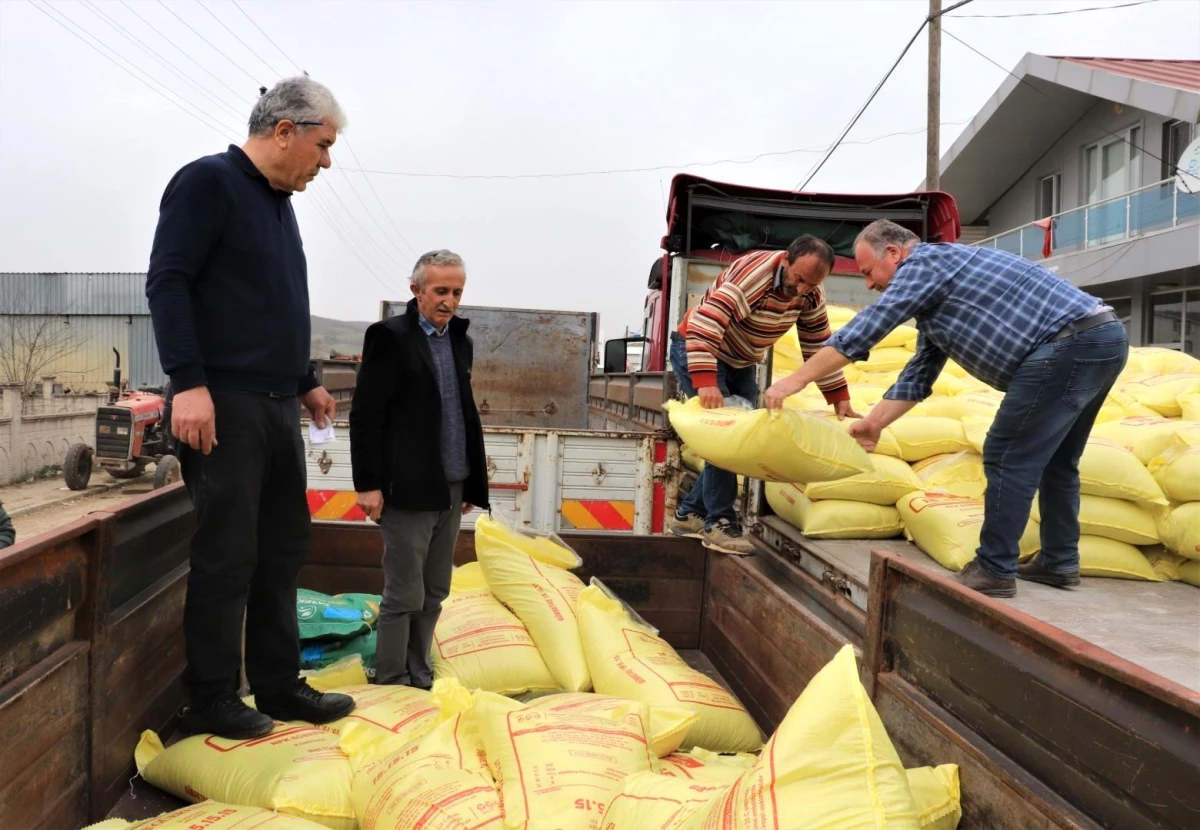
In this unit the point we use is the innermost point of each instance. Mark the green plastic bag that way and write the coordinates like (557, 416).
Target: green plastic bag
(319, 655)
(322, 617)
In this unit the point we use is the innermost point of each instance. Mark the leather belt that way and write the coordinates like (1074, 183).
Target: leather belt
(1085, 323)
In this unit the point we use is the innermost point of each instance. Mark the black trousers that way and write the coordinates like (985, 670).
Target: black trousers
(253, 532)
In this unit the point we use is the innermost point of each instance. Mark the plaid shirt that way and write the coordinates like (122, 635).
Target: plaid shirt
(983, 308)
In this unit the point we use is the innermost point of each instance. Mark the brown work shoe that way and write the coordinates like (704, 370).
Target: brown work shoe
(977, 579)
(690, 525)
(727, 537)
(1034, 572)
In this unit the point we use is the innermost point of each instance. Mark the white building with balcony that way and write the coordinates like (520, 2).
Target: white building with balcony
(1071, 163)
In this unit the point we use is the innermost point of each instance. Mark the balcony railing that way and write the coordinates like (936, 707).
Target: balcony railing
(1152, 208)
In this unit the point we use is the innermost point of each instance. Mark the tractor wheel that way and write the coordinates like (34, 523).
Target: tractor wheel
(133, 472)
(167, 471)
(77, 467)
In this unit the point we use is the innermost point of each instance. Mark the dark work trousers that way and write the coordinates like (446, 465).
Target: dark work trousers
(252, 534)
(418, 557)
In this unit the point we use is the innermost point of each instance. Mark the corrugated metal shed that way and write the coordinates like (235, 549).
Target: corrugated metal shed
(73, 293)
(1180, 74)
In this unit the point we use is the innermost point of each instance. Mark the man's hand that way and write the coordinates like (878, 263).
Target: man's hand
(320, 405)
(467, 508)
(866, 432)
(193, 419)
(780, 390)
(371, 503)
(710, 397)
(844, 410)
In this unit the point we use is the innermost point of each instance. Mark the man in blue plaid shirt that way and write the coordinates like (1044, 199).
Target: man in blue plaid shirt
(1054, 350)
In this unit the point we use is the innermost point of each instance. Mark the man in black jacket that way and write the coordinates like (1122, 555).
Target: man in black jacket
(8, 534)
(416, 445)
(228, 292)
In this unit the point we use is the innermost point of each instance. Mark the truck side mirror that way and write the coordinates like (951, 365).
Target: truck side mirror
(616, 353)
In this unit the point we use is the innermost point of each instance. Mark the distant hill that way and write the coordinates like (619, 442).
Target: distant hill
(341, 336)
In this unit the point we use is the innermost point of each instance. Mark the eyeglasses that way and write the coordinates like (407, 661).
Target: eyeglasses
(310, 123)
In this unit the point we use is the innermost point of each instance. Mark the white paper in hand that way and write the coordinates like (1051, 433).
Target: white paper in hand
(319, 435)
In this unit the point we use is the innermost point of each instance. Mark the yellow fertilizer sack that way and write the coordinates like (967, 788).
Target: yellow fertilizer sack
(668, 727)
(914, 438)
(1146, 437)
(1108, 557)
(467, 578)
(702, 765)
(956, 406)
(1113, 519)
(546, 548)
(1179, 530)
(1189, 406)
(960, 473)
(937, 795)
(772, 446)
(947, 527)
(541, 595)
(1108, 469)
(830, 764)
(348, 671)
(1161, 392)
(891, 479)
(690, 460)
(212, 814)
(1189, 572)
(886, 359)
(403, 711)
(483, 645)
(1155, 360)
(975, 430)
(833, 518)
(629, 660)
(1166, 564)
(1177, 470)
(666, 802)
(297, 770)
(558, 772)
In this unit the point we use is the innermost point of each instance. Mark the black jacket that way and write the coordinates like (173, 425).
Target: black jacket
(396, 417)
(8, 535)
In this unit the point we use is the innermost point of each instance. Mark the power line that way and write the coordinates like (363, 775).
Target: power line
(655, 169)
(116, 25)
(181, 50)
(209, 42)
(267, 36)
(1050, 98)
(274, 71)
(1054, 14)
(46, 11)
(322, 211)
(366, 234)
(375, 193)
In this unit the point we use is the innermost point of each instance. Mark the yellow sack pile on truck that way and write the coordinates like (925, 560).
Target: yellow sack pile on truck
(1189, 406)
(1179, 530)
(542, 596)
(1152, 361)
(668, 727)
(947, 527)
(890, 479)
(914, 438)
(1177, 470)
(960, 473)
(1165, 563)
(772, 446)
(401, 710)
(833, 518)
(1108, 469)
(829, 764)
(711, 767)
(483, 645)
(559, 772)
(212, 814)
(1161, 392)
(629, 660)
(1108, 557)
(296, 770)
(1146, 437)
(1124, 521)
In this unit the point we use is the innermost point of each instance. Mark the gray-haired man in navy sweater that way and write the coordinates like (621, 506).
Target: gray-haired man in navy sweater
(228, 291)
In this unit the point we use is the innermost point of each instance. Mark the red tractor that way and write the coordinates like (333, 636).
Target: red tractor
(132, 431)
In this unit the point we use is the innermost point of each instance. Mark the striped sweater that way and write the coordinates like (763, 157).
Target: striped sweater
(742, 315)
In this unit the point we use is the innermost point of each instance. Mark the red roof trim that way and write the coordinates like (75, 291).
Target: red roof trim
(1179, 74)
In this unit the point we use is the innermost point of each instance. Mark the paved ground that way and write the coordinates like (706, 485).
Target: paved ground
(44, 505)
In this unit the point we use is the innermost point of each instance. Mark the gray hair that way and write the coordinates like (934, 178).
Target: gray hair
(295, 99)
(438, 257)
(883, 232)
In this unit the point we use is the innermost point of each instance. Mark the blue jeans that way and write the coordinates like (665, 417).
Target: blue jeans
(715, 490)
(1035, 444)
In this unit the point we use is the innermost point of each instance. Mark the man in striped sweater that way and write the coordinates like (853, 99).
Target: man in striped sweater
(719, 343)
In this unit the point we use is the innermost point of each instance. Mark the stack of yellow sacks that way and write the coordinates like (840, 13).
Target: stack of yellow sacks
(618, 732)
(1140, 475)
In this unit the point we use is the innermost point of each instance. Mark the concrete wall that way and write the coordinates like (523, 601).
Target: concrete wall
(36, 430)
(1017, 207)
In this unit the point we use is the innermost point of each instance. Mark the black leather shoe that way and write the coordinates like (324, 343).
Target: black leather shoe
(304, 703)
(1034, 572)
(227, 717)
(977, 579)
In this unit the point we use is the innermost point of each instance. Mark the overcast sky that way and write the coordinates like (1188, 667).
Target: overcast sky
(495, 88)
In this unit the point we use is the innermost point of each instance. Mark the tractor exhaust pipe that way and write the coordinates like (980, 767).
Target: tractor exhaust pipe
(116, 393)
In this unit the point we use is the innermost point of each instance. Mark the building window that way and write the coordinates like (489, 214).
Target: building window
(1191, 323)
(1176, 137)
(1111, 166)
(1175, 320)
(1049, 196)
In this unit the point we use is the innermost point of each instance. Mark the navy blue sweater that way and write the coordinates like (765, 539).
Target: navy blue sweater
(228, 281)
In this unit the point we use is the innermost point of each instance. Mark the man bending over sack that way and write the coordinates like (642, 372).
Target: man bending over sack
(751, 305)
(416, 447)
(1054, 351)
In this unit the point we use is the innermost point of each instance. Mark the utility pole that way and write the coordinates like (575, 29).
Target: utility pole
(934, 109)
